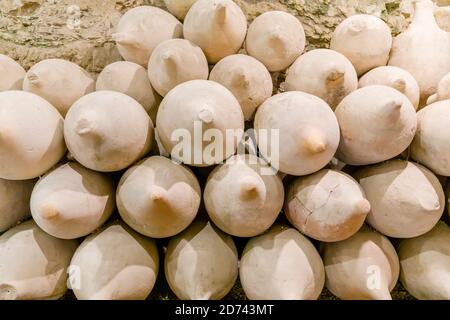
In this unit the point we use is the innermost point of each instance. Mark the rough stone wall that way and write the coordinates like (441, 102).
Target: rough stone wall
(79, 30)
